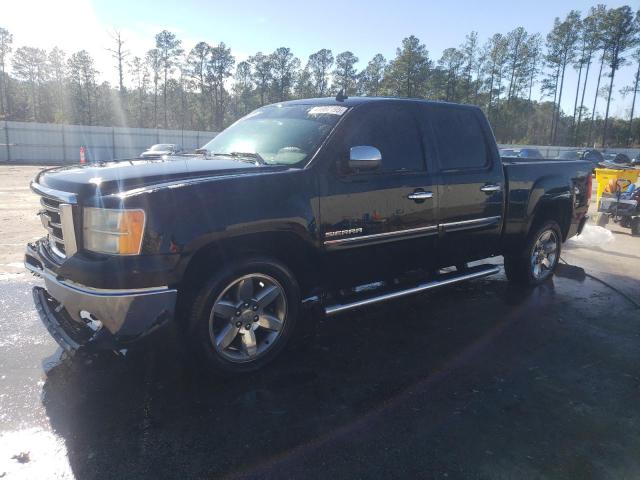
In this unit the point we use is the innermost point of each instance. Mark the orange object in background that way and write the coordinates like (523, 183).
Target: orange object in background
(83, 160)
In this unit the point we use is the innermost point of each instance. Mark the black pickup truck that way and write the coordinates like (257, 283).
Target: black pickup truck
(303, 206)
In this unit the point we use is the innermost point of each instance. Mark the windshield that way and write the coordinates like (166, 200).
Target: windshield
(281, 135)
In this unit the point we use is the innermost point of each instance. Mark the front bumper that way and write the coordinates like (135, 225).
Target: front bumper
(77, 315)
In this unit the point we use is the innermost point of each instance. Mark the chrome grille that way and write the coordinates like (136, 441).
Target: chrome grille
(50, 216)
(57, 218)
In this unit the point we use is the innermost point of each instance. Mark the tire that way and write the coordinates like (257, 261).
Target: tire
(602, 220)
(250, 325)
(521, 267)
(635, 226)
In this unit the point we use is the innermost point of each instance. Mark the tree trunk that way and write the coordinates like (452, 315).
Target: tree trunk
(141, 106)
(164, 95)
(606, 115)
(584, 89)
(490, 95)
(575, 103)
(513, 71)
(2, 94)
(89, 103)
(633, 105)
(595, 101)
(555, 131)
(34, 101)
(555, 97)
(155, 103)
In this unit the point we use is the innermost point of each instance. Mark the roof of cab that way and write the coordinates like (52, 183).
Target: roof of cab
(354, 101)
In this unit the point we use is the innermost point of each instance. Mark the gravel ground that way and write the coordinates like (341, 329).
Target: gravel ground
(18, 220)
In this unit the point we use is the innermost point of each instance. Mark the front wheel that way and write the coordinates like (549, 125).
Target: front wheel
(244, 315)
(537, 260)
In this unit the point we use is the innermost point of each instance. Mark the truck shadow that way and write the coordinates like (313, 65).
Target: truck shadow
(154, 414)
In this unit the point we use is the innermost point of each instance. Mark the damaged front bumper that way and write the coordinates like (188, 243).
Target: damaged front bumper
(77, 315)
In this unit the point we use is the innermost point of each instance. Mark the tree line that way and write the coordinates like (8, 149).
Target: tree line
(205, 88)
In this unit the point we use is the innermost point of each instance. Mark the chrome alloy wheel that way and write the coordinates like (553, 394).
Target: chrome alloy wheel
(248, 317)
(544, 254)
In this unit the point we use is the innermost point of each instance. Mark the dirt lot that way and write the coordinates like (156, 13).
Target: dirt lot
(18, 220)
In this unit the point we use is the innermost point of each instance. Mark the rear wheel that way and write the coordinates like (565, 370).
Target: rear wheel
(244, 315)
(537, 260)
(635, 226)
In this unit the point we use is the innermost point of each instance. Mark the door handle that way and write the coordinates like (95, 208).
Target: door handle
(491, 188)
(420, 195)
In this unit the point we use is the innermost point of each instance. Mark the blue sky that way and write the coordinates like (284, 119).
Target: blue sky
(364, 27)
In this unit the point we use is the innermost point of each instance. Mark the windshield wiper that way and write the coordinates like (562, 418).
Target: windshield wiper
(243, 156)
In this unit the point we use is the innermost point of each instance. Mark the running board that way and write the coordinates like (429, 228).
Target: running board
(446, 279)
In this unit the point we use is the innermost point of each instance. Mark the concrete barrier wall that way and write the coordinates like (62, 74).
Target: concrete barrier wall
(51, 144)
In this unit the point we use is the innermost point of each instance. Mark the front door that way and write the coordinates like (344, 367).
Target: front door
(383, 220)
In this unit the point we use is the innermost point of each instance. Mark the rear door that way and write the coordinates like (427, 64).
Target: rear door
(372, 221)
(471, 182)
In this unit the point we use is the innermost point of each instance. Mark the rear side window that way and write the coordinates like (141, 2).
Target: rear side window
(459, 138)
(393, 130)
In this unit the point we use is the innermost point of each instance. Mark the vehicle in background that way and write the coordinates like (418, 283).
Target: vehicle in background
(590, 155)
(615, 159)
(303, 207)
(508, 152)
(161, 149)
(531, 153)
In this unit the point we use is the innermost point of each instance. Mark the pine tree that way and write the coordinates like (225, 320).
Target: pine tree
(169, 49)
(619, 34)
(319, 65)
(408, 73)
(345, 74)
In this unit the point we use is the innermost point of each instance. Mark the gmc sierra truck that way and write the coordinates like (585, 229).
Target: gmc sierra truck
(310, 205)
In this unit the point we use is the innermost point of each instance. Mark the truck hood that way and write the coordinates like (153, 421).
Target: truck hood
(122, 175)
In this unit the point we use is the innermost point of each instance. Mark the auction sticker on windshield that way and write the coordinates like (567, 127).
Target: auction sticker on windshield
(327, 110)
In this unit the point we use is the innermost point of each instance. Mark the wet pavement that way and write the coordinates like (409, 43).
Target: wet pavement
(479, 380)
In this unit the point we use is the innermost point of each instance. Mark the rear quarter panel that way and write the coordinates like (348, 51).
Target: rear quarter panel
(538, 184)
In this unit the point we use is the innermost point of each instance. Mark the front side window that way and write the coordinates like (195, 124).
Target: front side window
(459, 138)
(280, 134)
(392, 129)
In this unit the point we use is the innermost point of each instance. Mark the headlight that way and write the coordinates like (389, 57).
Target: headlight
(113, 231)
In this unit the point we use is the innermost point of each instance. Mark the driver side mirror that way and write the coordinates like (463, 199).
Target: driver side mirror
(364, 158)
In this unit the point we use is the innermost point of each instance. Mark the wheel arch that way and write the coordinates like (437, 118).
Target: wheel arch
(557, 209)
(289, 248)
(550, 198)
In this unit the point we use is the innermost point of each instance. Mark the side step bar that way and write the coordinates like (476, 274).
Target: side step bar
(447, 279)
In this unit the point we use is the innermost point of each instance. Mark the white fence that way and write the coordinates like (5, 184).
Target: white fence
(553, 152)
(54, 144)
